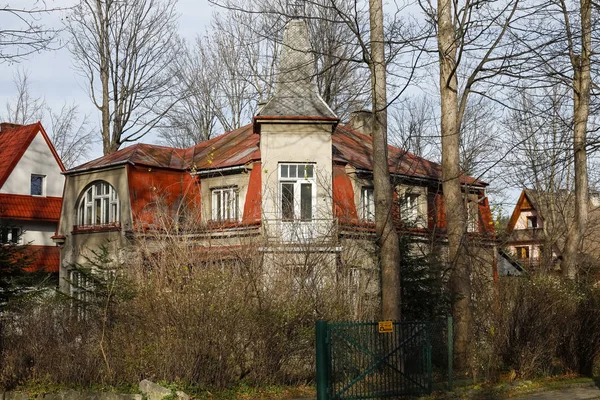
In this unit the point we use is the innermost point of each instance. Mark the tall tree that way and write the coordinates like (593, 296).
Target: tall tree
(124, 49)
(580, 58)
(470, 44)
(387, 236)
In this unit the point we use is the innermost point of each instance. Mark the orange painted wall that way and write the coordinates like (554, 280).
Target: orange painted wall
(155, 189)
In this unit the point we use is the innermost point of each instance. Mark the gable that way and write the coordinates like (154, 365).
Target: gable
(36, 157)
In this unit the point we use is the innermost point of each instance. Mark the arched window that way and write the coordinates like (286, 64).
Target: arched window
(98, 205)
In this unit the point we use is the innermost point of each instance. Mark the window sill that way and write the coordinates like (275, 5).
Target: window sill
(112, 227)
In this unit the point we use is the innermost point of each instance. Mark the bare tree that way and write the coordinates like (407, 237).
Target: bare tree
(412, 126)
(124, 49)
(471, 45)
(580, 58)
(23, 32)
(70, 132)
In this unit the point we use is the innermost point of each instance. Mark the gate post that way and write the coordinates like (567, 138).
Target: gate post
(322, 360)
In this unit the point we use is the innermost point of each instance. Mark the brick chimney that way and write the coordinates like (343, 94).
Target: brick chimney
(7, 126)
(362, 121)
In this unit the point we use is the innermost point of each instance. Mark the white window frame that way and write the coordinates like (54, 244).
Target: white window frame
(43, 185)
(104, 193)
(308, 173)
(222, 200)
(367, 202)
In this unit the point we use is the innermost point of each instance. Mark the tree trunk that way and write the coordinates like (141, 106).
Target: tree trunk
(387, 236)
(460, 283)
(103, 54)
(581, 109)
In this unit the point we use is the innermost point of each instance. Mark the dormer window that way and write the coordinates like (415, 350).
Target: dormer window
(225, 204)
(297, 191)
(98, 205)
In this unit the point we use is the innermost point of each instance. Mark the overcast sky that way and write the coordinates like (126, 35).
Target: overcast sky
(53, 76)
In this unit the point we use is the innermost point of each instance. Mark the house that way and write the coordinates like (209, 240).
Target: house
(295, 176)
(31, 186)
(538, 227)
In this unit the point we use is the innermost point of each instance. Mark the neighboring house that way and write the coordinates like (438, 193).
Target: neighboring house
(539, 225)
(294, 176)
(31, 186)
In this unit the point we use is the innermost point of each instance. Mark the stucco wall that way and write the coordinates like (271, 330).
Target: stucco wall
(38, 233)
(79, 244)
(39, 160)
(296, 143)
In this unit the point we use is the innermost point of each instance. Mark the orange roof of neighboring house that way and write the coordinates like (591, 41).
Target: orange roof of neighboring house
(241, 146)
(29, 208)
(45, 258)
(14, 141)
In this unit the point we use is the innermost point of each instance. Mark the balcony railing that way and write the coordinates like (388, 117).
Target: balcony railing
(297, 231)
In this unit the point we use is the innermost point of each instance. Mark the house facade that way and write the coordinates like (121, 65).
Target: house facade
(31, 186)
(293, 184)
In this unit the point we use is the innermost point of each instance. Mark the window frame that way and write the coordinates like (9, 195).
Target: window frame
(532, 222)
(298, 206)
(214, 192)
(10, 235)
(42, 185)
(90, 199)
(367, 203)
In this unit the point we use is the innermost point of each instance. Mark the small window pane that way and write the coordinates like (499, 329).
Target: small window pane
(14, 235)
(5, 235)
(97, 211)
(309, 171)
(287, 201)
(88, 215)
(306, 201)
(88, 195)
(219, 211)
(293, 171)
(105, 211)
(284, 171)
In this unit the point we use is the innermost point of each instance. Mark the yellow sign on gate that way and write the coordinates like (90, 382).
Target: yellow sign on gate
(386, 327)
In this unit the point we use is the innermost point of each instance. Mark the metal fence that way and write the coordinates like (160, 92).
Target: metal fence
(367, 360)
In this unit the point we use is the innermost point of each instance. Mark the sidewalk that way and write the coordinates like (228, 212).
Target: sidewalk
(580, 393)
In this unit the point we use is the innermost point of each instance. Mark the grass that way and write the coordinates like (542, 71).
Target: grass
(504, 390)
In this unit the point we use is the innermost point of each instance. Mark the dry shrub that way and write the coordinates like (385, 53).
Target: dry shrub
(207, 318)
(545, 326)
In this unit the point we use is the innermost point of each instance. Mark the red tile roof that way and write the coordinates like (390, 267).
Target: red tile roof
(354, 148)
(241, 146)
(14, 141)
(30, 208)
(45, 258)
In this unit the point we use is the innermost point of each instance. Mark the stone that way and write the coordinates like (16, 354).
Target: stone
(154, 391)
(182, 395)
(16, 396)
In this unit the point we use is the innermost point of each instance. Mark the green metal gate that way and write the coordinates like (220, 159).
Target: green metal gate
(367, 360)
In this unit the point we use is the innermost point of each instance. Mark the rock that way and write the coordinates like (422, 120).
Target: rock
(182, 395)
(16, 396)
(154, 391)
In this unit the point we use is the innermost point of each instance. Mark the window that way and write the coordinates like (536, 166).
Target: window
(409, 207)
(98, 205)
(297, 191)
(532, 222)
(37, 185)
(225, 204)
(522, 252)
(367, 204)
(10, 235)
